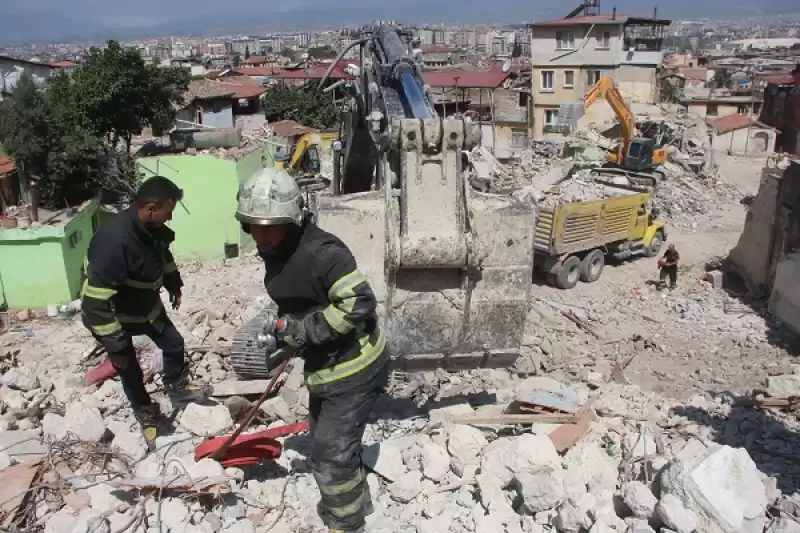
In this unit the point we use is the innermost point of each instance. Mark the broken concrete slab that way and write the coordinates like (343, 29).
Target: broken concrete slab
(384, 458)
(672, 513)
(783, 386)
(639, 499)
(85, 422)
(206, 421)
(541, 489)
(720, 484)
(23, 445)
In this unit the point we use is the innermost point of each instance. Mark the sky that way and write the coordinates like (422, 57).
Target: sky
(43, 17)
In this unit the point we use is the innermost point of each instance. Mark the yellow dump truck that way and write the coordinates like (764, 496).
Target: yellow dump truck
(572, 240)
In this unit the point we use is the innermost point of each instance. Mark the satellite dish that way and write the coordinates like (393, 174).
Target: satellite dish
(506, 65)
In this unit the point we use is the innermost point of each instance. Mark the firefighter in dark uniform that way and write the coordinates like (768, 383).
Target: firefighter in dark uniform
(127, 264)
(326, 310)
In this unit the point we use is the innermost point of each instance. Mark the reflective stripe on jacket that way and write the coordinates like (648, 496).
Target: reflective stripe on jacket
(126, 266)
(314, 275)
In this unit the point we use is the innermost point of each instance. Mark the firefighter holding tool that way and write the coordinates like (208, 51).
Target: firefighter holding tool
(327, 313)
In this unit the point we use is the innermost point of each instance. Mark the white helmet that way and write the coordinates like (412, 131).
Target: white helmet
(270, 197)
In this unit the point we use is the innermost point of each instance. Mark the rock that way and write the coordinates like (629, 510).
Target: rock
(600, 527)
(385, 459)
(174, 513)
(639, 446)
(721, 485)
(131, 444)
(84, 422)
(509, 457)
(640, 527)
(446, 414)
(435, 462)
(206, 421)
(13, 399)
(104, 499)
(783, 386)
(60, 522)
(589, 464)
(784, 525)
(407, 487)
(672, 512)
(715, 278)
(573, 515)
(277, 407)
(90, 521)
(54, 426)
(20, 378)
(639, 499)
(5, 460)
(540, 489)
(465, 443)
(241, 526)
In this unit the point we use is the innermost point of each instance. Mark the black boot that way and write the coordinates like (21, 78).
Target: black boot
(147, 416)
(183, 392)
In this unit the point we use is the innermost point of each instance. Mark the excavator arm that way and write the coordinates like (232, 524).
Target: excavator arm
(605, 88)
(450, 266)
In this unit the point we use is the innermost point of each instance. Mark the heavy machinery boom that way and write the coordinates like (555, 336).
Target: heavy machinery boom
(634, 157)
(450, 266)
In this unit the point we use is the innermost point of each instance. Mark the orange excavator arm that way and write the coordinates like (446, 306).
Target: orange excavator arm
(606, 88)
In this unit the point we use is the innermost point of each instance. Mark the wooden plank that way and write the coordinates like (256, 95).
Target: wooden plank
(14, 483)
(565, 436)
(504, 420)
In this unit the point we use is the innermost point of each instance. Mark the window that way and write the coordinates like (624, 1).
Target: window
(604, 40)
(712, 110)
(592, 77)
(565, 40)
(547, 80)
(551, 117)
(743, 109)
(569, 79)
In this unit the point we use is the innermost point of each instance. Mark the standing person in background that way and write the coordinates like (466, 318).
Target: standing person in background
(669, 267)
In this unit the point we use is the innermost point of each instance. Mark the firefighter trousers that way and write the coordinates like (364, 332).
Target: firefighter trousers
(337, 422)
(167, 338)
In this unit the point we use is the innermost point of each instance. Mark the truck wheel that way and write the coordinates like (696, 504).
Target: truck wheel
(655, 245)
(592, 266)
(569, 273)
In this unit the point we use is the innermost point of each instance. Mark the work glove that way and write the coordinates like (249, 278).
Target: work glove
(292, 331)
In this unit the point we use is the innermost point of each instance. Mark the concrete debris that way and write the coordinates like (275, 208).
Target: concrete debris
(206, 421)
(666, 449)
(85, 422)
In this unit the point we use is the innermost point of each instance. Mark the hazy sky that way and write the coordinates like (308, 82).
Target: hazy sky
(144, 12)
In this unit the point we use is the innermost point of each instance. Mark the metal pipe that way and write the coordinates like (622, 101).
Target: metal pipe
(34, 201)
(339, 58)
(415, 96)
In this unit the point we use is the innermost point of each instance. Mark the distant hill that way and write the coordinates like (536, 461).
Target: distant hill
(51, 27)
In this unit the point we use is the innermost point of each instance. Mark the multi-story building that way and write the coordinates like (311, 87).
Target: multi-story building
(570, 55)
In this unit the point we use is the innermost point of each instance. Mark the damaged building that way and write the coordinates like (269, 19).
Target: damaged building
(767, 255)
(571, 54)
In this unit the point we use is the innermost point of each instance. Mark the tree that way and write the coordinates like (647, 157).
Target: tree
(722, 78)
(27, 130)
(237, 59)
(321, 52)
(288, 52)
(307, 105)
(669, 92)
(116, 94)
(247, 52)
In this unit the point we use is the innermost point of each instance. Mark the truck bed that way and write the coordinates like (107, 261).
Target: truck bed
(577, 226)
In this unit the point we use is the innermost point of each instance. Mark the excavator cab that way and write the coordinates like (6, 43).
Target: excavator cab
(640, 154)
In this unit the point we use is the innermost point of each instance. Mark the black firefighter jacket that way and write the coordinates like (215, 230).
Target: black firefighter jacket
(125, 267)
(313, 277)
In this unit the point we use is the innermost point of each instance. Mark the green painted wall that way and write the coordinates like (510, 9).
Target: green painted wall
(209, 188)
(40, 266)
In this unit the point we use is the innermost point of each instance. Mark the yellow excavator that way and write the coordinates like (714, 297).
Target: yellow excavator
(634, 157)
(304, 160)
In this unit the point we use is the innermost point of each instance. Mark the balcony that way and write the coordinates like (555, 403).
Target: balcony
(556, 128)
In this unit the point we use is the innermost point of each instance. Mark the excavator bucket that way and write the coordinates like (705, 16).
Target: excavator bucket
(451, 267)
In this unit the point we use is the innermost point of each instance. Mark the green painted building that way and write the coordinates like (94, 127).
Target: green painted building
(205, 227)
(41, 265)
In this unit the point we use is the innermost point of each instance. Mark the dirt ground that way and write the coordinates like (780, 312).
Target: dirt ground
(687, 340)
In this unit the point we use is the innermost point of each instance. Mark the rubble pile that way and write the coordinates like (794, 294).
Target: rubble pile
(642, 463)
